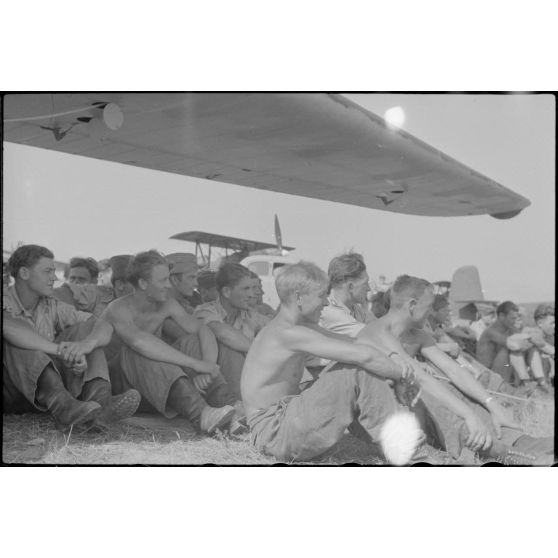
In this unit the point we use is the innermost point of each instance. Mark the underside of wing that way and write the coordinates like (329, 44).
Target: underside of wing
(320, 146)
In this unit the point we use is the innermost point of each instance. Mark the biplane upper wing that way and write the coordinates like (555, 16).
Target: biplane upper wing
(222, 241)
(315, 145)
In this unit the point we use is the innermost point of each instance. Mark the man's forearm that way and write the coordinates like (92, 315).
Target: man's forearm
(442, 394)
(22, 335)
(234, 339)
(154, 348)
(101, 334)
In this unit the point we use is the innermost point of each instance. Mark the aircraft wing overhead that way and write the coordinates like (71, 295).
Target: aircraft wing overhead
(222, 241)
(314, 145)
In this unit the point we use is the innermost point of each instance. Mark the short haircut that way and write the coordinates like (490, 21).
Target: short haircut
(301, 277)
(27, 256)
(406, 287)
(206, 279)
(345, 268)
(506, 307)
(440, 301)
(230, 274)
(542, 311)
(89, 263)
(141, 266)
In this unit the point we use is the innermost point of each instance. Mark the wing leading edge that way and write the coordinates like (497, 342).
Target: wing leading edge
(314, 145)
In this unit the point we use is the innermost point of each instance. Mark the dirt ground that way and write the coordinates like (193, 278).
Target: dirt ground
(145, 439)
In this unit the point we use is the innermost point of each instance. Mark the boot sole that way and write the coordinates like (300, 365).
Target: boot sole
(126, 405)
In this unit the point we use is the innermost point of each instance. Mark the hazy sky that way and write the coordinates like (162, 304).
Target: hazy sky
(80, 206)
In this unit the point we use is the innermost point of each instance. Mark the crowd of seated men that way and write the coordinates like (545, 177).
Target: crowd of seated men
(169, 338)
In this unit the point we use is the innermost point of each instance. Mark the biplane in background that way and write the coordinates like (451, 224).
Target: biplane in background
(262, 258)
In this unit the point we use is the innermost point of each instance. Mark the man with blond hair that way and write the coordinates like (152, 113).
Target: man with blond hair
(293, 425)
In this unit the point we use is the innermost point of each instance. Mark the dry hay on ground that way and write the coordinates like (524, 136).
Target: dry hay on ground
(32, 438)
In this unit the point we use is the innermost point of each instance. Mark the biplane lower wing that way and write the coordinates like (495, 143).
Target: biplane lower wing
(314, 145)
(227, 242)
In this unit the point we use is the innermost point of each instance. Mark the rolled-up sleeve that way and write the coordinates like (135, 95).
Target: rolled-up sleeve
(68, 316)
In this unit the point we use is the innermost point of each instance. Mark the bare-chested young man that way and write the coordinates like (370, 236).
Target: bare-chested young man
(172, 381)
(290, 425)
(464, 413)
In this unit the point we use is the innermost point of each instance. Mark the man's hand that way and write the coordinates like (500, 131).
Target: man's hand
(407, 393)
(453, 349)
(518, 342)
(202, 382)
(73, 352)
(479, 436)
(501, 418)
(206, 367)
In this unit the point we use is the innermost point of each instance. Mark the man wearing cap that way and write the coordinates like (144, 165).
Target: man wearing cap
(183, 269)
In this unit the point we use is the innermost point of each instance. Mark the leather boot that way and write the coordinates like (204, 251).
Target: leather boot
(185, 399)
(114, 407)
(66, 410)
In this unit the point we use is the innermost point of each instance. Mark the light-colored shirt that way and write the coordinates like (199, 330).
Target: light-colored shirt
(247, 321)
(337, 317)
(87, 298)
(48, 318)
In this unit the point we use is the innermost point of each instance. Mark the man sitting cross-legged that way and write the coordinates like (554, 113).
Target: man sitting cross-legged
(171, 380)
(232, 320)
(291, 425)
(502, 347)
(52, 356)
(463, 413)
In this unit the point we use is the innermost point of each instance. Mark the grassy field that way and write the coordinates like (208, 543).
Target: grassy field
(149, 440)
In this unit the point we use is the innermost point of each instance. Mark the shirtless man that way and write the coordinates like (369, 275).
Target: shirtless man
(172, 382)
(299, 426)
(464, 413)
(502, 349)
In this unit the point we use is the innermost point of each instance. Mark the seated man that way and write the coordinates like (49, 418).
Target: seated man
(183, 268)
(206, 286)
(118, 278)
(544, 321)
(379, 303)
(503, 349)
(52, 358)
(461, 413)
(171, 380)
(290, 425)
(487, 314)
(232, 321)
(256, 300)
(347, 311)
(81, 290)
